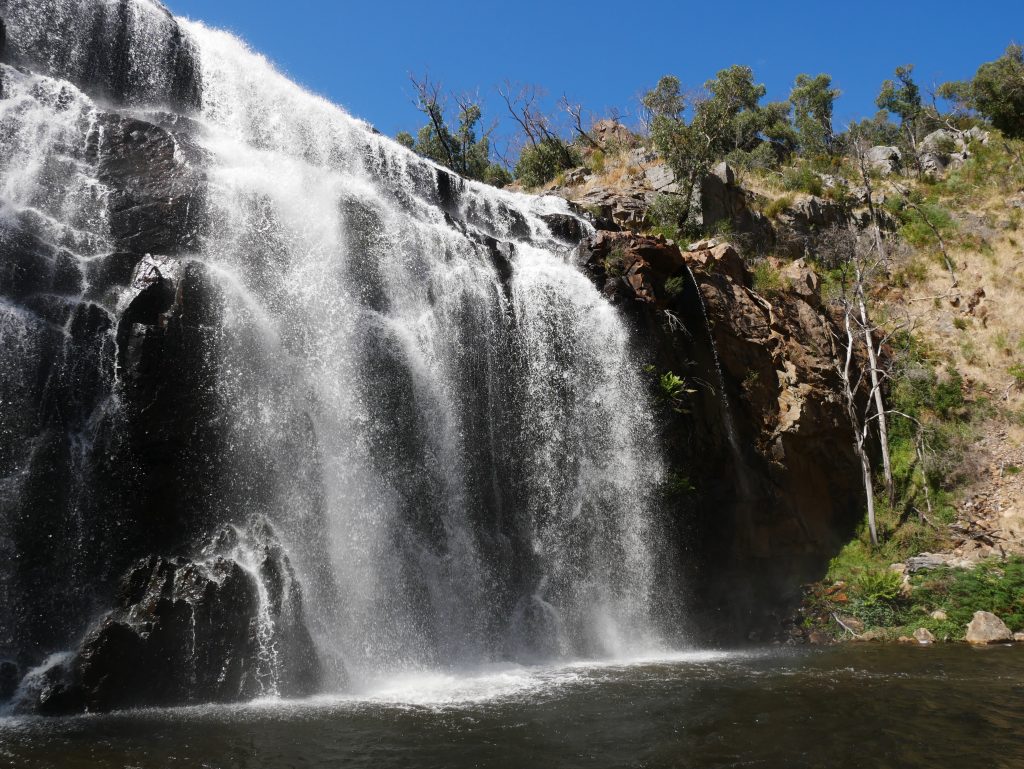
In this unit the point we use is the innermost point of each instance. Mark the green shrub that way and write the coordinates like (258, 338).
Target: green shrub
(766, 279)
(615, 263)
(1017, 372)
(672, 386)
(917, 231)
(877, 586)
(675, 287)
(777, 206)
(676, 485)
(876, 597)
(668, 215)
(991, 586)
(802, 179)
(542, 162)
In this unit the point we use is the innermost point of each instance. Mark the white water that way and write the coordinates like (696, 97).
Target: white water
(332, 233)
(454, 445)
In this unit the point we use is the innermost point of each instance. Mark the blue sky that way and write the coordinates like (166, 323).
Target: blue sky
(603, 53)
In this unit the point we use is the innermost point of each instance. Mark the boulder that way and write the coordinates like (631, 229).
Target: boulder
(987, 628)
(719, 200)
(926, 561)
(924, 636)
(565, 227)
(884, 160)
(577, 176)
(803, 280)
(225, 626)
(976, 134)
(615, 208)
(940, 615)
(1018, 637)
(944, 149)
(818, 638)
(724, 259)
(631, 267)
(660, 178)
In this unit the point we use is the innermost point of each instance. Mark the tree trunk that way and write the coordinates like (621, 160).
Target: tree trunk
(858, 433)
(869, 489)
(876, 389)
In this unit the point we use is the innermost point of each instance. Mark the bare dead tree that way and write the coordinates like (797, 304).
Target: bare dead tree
(522, 104)
(844, 354)
(575, 112)
(431, 101)
(864, 270)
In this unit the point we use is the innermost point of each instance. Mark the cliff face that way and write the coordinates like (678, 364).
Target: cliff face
(765, 484)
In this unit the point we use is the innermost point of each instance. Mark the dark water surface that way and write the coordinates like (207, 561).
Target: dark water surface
(865, 706)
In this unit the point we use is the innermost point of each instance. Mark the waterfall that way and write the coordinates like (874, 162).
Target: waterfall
(402, 370)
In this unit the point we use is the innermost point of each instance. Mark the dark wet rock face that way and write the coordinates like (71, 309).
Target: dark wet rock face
(157, 202)
(763, 512)
(226, 626)
(111, 437)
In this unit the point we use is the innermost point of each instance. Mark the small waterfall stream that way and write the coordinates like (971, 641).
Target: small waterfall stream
(405, 374)
(723, 395)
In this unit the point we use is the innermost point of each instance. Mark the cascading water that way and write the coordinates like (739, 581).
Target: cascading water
(402, 371)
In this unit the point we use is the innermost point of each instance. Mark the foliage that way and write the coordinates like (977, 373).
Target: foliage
(672, 386)
(1017, 372)
(675, 287)
(766, 279)
(917, 222)
(876, 597)
(777, 206)
(459, 146)
(990, 586)
(667, 214)
(540, 163)
(673, 389)
(727, 121)
(615, 263)
(996, 92)
(676, 485)
(801, 178)
(902, 97)
(876, 131)
(813, 99)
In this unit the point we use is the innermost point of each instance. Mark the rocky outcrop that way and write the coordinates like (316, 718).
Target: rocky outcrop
(945, 149)
(724, 203)
(223, 627)
(800, 225)
(764, 442)
(611, 134)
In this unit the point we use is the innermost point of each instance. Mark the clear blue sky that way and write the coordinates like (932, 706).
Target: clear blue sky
(604, 53)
